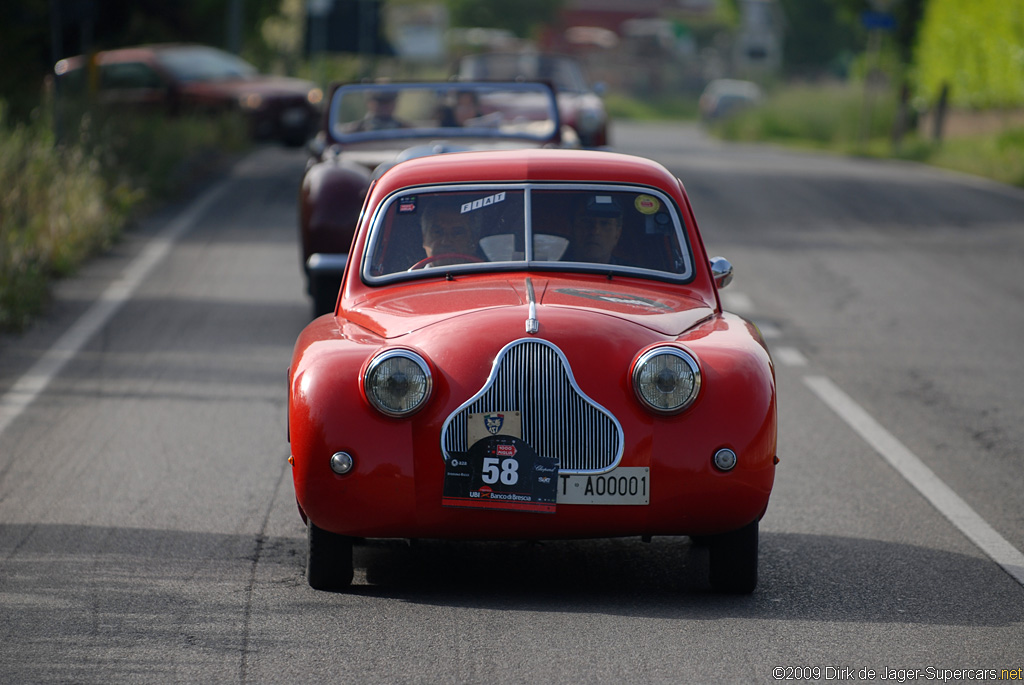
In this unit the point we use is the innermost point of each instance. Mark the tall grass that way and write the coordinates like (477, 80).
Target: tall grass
(838, 119)
(62, 202)
(825, 116)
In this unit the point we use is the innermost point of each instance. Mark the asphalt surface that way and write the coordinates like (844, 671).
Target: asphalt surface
(148, 529)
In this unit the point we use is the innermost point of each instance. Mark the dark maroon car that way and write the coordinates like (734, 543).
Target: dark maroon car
(177, 78)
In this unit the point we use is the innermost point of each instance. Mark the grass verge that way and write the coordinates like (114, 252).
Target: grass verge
(61, 203)
(839, 119)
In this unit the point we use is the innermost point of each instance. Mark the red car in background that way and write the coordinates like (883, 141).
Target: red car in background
(530, 345)
(175, 79)
(580, 104)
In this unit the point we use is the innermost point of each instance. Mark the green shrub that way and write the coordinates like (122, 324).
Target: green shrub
(61, 203)
(819, 116)
(975, 48)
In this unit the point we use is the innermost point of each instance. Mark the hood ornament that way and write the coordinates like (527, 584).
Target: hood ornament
(532, 324)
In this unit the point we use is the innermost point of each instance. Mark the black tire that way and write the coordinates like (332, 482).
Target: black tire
(328, 560)
(732, 557)
(325, 294)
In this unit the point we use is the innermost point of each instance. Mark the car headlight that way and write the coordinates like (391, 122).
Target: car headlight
(250, 101)
(666, 379)
(397, 382)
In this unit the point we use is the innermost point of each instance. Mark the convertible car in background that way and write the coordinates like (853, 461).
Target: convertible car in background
(371, 126)
(529, 344)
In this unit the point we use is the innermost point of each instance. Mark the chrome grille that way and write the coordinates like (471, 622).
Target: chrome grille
(533, 377)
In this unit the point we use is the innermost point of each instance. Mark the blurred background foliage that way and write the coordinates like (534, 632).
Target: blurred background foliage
(976, 49)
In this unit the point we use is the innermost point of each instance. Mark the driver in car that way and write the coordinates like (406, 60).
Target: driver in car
(450, 236)
(380, 113)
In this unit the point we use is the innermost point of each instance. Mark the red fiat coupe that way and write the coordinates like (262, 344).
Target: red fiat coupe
(530, 345)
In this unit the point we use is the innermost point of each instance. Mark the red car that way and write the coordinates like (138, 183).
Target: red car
(371, 126)
(173, 79)
(530, 345)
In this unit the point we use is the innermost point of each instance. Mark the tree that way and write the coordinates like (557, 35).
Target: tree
(522, 17)
(976, 48)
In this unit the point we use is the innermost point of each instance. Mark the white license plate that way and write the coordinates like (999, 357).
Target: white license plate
(624, 485)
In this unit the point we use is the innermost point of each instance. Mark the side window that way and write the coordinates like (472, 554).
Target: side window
(128, 75)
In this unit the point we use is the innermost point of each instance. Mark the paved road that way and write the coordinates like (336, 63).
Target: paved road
(148, 531)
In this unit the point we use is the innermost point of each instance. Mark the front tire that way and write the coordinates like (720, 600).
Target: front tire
(328, 560)
(732, 560)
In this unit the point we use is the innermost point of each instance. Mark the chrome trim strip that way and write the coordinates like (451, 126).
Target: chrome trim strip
(558, 418)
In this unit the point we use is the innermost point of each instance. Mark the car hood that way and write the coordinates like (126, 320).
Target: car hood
(399, 310)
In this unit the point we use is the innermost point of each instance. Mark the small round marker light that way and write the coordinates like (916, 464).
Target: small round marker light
(341, 463)
(725, 459)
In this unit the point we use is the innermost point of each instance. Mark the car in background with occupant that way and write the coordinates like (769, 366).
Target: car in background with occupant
(581, 105)
(194, 79)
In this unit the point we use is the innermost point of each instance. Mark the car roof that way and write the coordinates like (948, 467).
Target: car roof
(581, 166)
(133, 53)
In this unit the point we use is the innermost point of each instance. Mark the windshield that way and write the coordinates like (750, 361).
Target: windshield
(564, 72)
(205, 64)
(538, 226)
(374, 111)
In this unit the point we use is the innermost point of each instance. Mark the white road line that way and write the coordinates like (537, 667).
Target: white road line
(29, 386)
(921, 477)
(789, 356)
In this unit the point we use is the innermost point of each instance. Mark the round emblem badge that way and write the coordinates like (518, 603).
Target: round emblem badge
(645, 204)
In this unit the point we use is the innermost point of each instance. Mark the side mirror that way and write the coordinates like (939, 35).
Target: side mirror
(721, 270)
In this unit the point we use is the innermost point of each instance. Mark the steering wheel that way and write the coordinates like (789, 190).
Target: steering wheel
(426, 261)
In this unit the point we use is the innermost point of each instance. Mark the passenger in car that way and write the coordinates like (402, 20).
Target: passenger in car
(464, 109)
(596, 229)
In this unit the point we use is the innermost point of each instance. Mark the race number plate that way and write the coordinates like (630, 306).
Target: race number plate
(629, 485)
(501, 472)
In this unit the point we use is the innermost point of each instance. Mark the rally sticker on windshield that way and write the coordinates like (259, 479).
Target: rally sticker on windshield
(483, 202)
(501, 472)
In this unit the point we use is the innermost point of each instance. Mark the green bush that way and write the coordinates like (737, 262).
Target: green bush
(976, 48)
(819, 116)
(61, 202)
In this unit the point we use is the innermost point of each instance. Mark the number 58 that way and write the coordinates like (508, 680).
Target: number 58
(507, 474)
